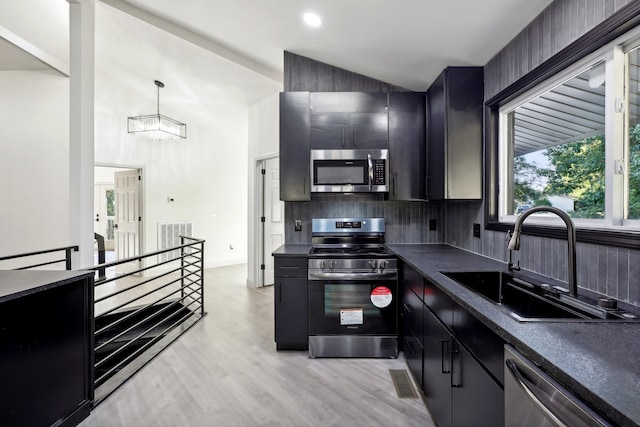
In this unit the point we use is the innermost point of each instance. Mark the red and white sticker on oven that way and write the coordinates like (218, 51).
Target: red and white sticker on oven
(381, 296)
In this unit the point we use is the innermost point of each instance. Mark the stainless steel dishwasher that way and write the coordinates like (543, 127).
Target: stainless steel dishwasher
(532, 398)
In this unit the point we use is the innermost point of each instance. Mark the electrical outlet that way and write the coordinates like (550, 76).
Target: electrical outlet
(297, 225)
(476, 230)
(432, 224)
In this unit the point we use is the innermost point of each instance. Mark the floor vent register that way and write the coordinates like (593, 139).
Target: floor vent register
(402, 383)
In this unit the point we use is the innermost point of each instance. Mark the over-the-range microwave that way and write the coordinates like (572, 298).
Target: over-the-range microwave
(350, 171)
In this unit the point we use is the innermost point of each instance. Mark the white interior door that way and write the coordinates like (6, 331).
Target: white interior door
(103, 207)
(128, 217)
(273, 216)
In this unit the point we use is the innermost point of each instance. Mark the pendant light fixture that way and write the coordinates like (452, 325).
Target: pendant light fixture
(157, 126)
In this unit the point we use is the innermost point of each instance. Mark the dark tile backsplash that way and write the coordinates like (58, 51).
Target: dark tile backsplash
(405, 222)
(607, 270)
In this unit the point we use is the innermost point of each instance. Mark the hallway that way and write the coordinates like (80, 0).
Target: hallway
(225, 371)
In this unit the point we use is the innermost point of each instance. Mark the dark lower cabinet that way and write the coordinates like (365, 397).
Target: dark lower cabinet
(46, 347)
(412, 336)
(437, 368)
(458, 374)
(458, 389)
(476, 399)
(290, 303)
(413, 353)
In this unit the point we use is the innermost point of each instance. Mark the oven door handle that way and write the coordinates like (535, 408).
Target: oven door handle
(352, 276)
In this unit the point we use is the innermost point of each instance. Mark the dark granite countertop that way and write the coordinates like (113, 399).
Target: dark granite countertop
(19, 283)
(599, 361)
(292, 250)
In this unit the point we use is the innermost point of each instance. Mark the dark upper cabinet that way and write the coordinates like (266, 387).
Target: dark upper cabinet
(454, 134)
(294, 146)
(407, 145)
(349, 120)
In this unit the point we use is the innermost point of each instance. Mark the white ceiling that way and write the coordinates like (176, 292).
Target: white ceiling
(222, 49)
(403, 42)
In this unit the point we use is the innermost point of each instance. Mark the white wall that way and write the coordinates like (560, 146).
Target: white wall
(264, 137)
(34, 161)
(206, 174)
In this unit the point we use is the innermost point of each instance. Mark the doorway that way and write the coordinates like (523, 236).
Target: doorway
(270, 217)
(104, 208)
(118, 210)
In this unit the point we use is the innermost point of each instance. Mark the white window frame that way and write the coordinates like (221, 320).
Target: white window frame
(616, 137)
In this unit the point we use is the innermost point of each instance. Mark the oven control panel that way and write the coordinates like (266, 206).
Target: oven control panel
(320, 226)
(348, 224)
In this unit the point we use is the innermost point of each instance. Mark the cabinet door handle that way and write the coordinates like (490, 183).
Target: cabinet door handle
(304, 185)
(445, 350)
(456, 367)
(343, 137)
(408, 308)
(395, 186)
(355, 137)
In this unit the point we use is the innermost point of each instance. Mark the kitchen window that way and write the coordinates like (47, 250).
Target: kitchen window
(573, 142)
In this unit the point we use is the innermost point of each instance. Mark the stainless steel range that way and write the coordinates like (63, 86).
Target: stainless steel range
(353, 290)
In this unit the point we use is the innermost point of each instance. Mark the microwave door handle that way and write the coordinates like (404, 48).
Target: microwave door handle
(370, 171)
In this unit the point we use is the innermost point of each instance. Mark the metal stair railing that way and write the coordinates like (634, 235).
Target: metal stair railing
(41, 263)
(140, 312)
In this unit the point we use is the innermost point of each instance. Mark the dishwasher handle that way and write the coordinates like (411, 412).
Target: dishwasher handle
(522, 382)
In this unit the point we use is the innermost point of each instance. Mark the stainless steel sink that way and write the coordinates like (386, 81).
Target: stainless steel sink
(529, 302)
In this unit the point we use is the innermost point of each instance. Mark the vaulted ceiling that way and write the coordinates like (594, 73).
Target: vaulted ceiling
(405, 43)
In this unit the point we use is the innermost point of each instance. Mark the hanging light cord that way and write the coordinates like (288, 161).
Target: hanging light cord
(159, 84)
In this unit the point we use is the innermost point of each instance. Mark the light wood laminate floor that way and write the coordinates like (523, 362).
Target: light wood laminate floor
(225, 371)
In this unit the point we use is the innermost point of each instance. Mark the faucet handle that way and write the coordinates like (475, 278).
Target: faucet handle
(508, 236)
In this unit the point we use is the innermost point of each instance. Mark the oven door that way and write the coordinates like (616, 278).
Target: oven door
(353, 307)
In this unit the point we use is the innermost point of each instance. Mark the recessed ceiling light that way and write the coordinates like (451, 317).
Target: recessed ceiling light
(312, 20)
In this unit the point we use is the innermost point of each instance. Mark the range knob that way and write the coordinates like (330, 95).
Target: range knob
(383, 264)
(373, 264)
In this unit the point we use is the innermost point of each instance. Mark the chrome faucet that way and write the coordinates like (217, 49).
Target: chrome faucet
(514, 243)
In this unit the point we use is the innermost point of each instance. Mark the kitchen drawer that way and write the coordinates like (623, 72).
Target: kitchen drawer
(291, 267)
(412, 312)
(413, 354)
(412, 279)
(440, 303)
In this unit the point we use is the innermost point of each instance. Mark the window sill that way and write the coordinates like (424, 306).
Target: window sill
(613, 236)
